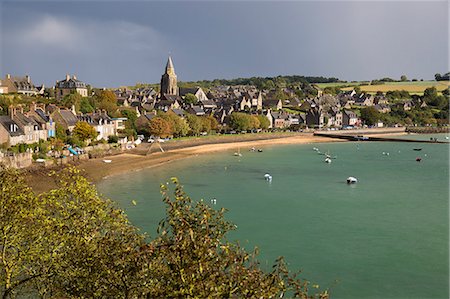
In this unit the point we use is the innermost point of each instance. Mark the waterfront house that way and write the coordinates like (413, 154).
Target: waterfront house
(349, 118)
(102, 123)
(315, 117)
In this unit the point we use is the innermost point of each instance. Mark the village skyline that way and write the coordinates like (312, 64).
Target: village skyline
(111, 44)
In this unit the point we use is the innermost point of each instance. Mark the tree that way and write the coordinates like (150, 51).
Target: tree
(240, 121)
(254, 122)
(72, 100)
(179, 125)
(403, 78)
(195, 124)
(159, 127)
(264, 122)
(85, 106)
(84, 131)
(370, 115)
(106, 100)
(22, 234)
(190, 98)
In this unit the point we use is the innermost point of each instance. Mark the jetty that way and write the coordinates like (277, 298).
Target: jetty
(365, 135)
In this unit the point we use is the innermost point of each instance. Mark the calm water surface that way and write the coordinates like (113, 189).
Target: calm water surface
(385, 237)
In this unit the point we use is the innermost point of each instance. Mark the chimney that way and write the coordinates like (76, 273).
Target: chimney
(8, 76)
(74, 77)
(73, 110)
(33, 106)
(12, 111)
(67, 77)
(28, 78)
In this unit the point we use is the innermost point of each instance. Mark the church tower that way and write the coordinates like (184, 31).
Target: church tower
(169, 80)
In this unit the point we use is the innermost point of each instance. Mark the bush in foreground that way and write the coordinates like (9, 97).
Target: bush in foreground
(71, 243)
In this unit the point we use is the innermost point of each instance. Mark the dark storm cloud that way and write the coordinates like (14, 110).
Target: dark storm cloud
(110, 43)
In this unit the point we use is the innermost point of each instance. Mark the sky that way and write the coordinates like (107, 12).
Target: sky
(117, 43)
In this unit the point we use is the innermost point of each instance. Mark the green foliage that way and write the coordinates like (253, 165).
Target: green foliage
(243, 122)
(85, 106)
(195, 124)
(403, 78)
(264, 122)
(106, 100)
(398, 94)
(370, 116)
(190, 98)
(61, 133)
(131, 118)
(113, 139)
(84, 131)
(72, 99)
(179, 125)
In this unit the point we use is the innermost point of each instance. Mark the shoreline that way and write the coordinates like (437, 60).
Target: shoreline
(95, 170)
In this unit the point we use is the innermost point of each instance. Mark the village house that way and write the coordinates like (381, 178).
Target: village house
(32, 130)
(70, 85)
(10, 133)
(102, 123)
(196, 91)
(382, 108)
(273, 104)
(44, 120)
(196, 110)
(280, 120)
(64, 117)
(22, 85)
(365, 100)
(315, 117)
(349, 118)
(168, 102)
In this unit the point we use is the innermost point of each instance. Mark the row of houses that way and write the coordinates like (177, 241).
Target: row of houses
(39, 123)
(24, 85)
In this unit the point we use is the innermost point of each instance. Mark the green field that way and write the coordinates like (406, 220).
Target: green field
(416, 87)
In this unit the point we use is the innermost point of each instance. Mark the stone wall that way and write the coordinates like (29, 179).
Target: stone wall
(20, 160)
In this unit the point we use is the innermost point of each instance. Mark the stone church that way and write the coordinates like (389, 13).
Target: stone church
(169, 80)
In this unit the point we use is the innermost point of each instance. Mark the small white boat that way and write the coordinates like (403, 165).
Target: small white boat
(40, 160)
(352, 180)
(107, 161)
(327, 160)
(446, 137)
(315, 149)
(268, 177)
(238, 154)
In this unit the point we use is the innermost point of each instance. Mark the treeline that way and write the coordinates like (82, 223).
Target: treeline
(261, 82)
(72, 243)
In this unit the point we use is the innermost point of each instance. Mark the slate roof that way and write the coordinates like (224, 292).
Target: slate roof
(11, 126)
(70, 118)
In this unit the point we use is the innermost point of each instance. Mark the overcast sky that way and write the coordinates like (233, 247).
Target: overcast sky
(113, 43)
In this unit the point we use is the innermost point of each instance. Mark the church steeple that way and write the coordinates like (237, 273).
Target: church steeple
(169, 79)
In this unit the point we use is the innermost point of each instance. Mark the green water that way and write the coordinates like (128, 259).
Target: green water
(385, 237)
